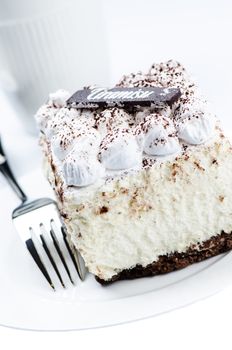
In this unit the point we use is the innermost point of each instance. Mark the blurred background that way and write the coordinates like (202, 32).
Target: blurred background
(50, 44)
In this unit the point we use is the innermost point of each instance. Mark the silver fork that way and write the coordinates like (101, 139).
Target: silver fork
(40, 227)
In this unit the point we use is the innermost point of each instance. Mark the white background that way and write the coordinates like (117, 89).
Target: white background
(198, 33)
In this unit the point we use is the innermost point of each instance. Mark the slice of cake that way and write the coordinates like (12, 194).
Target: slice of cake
(144, 184)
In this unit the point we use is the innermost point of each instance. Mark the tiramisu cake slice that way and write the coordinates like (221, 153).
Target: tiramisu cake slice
(142, 173)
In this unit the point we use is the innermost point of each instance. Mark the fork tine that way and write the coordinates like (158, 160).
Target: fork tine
(50, 257)
(76, 261)
(32, 250)
(59, 251)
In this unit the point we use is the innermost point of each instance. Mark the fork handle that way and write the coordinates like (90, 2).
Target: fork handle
(6, 171)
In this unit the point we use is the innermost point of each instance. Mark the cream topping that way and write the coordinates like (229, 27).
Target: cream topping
(58, 99)
(120, 150)
(197, 130)
(157, 135)
(114, 139)
(82, 138)
(112, 118)
(194, 122)
(81, 168)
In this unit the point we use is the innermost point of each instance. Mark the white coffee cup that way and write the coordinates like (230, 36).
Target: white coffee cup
(50, 44)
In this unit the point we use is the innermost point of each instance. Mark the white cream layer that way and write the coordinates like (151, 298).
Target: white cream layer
(164, 209)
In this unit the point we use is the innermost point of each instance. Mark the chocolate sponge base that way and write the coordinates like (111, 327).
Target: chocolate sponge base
(168, 263)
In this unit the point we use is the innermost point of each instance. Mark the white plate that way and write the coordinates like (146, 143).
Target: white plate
(27, 302)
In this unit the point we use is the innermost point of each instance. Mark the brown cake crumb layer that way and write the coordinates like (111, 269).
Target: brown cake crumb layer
(168, 263)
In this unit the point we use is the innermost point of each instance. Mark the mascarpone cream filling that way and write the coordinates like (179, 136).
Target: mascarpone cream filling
(134, 220)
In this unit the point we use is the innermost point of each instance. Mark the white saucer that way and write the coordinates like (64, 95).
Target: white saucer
(27, 302)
